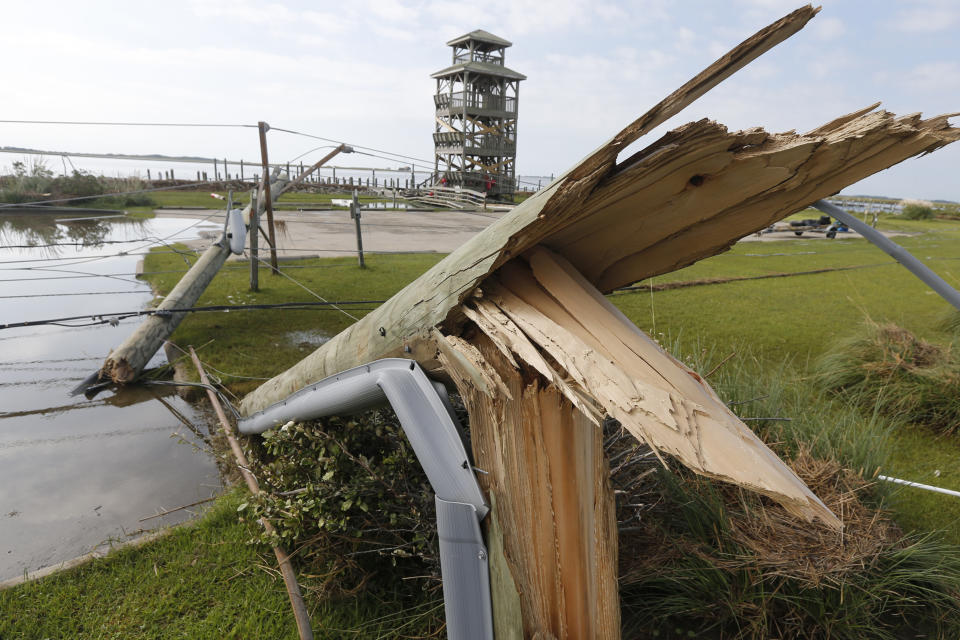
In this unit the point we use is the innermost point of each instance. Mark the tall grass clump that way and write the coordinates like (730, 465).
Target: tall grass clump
(706, 559)
(916, 210)
(888, 369)
(949, 321)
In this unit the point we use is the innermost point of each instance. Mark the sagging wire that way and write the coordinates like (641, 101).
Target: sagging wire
(115, 318)
(308, 290)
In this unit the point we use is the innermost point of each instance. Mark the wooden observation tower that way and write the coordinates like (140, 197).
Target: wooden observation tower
(475, 138)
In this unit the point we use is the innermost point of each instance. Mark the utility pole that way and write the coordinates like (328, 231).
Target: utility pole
(264, 127)
(254, 232)
(355, 214)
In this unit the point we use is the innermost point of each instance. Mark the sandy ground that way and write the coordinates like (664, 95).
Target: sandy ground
(332, 232)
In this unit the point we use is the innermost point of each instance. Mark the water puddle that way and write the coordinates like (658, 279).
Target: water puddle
(306, 340)
(76, 472)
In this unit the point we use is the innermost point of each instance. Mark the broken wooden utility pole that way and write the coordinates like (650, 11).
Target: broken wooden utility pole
(517, 319)
(126, 362)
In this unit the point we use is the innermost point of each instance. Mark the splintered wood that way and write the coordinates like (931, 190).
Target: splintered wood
(553, 510)
(544, 313)
(517, 319)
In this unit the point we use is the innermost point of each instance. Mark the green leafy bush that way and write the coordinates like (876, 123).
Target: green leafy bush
(352, 494)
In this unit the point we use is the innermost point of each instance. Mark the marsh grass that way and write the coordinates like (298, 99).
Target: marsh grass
(887, 368)
(706, 559)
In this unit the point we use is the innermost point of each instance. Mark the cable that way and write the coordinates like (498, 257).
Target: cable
(112, 318)
(150, 273)
(207, 365)
(355, 146)
(130, 124)
(307, 289)
(82, 293)
(105, 195)
(426, 167)
(171, 383)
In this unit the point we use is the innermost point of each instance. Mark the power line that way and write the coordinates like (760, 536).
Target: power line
(114, 318)
(130, 124)
(81, 293)
(355, 146)
(308, 290)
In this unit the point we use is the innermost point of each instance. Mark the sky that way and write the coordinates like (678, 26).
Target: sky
(359, 71)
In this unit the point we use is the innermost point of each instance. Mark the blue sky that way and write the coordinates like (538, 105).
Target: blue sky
(359, 71)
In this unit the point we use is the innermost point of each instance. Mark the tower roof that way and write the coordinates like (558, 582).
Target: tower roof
(484, 38)
(484, 68)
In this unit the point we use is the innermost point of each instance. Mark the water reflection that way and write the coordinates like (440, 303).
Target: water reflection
(44, 231)
(76, 472)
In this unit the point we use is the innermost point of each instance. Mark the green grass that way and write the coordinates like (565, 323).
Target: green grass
(801, 317)
(783, 323)
(200, 581)
(202, 198)
(265, 343)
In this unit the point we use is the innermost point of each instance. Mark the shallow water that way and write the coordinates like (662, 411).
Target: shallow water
(76, 473)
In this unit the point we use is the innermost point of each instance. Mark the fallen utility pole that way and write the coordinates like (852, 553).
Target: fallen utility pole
(127, 361)
(517, 319)
(283, 558)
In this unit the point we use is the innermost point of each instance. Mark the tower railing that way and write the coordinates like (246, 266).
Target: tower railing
(458, 101)
(490, 145)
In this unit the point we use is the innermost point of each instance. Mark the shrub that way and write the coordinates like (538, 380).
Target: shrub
(352, 494)
(887, 368)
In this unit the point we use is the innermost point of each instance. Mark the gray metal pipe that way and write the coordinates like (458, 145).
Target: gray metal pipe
(894, 250)
(430, 425)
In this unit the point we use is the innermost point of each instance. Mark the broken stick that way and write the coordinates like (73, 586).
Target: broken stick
(283, 558)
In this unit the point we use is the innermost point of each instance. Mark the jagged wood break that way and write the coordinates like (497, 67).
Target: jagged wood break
(516, 318)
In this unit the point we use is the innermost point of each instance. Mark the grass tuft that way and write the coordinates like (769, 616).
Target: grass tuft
(888, 369)
(704, 559)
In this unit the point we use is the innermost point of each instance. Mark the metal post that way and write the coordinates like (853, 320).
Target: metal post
(895, 251)
(264, 127)
(254, 241)
(241, 170)
(355, 214)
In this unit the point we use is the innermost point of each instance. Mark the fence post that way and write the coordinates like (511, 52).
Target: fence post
(355, 214)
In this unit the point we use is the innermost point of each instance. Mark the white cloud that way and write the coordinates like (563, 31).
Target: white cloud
(942, 76)
(928, 17)
(828, 28)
